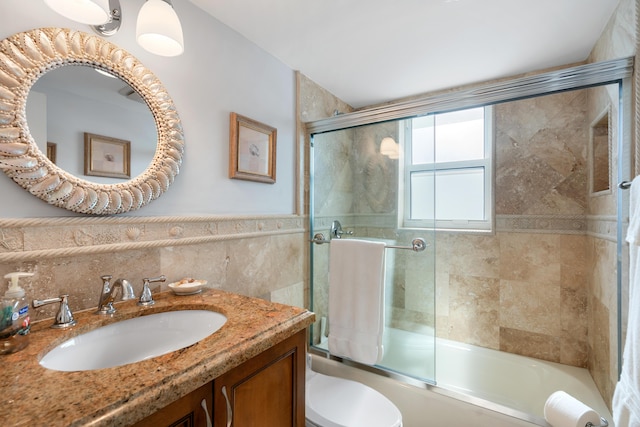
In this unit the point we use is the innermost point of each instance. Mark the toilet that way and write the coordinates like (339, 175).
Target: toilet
(337, 402)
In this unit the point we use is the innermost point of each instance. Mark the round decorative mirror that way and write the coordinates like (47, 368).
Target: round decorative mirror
(27, 57)
(70, 101)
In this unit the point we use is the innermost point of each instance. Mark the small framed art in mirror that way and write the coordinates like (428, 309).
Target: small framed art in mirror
(252, 150)
(106, 156)
(52, 151)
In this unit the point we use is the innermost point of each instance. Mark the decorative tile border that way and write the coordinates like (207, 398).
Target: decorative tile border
(603, 227)
(36, 238)
(564, 224)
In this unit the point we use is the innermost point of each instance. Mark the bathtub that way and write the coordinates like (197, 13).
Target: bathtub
(474, 385)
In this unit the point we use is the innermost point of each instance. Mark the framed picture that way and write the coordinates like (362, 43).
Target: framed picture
(52, 151)
(106, 156)
(252, 150)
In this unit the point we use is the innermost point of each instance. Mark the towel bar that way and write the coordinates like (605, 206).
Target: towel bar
(417, 245)
(603, 423)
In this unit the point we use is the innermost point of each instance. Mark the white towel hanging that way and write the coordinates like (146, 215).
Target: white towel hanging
(356, 299)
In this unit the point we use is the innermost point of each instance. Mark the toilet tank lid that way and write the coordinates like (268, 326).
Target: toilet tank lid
(337, 402)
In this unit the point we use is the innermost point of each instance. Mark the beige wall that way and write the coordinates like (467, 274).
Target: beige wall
(259, 256)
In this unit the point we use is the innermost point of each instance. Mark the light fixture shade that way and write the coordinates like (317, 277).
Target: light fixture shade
(158, 29)
(389, 148)
(91, 12)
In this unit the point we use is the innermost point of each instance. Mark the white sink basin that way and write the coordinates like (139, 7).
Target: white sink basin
(133, 340)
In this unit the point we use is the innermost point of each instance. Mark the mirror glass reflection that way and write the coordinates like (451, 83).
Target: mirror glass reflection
(69, 101)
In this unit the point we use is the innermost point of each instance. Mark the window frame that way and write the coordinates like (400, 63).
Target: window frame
(406, 169)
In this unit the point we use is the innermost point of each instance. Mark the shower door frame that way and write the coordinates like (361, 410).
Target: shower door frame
(617, 71)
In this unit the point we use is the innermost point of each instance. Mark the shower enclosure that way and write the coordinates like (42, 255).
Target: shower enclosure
(357, 186)
(513, 187)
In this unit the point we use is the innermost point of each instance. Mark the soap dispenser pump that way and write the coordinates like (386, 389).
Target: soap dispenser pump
(14, 317)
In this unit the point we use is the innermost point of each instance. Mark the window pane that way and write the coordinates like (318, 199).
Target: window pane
(422, 199)
(460, 194)
(460, 135)
(422, 139)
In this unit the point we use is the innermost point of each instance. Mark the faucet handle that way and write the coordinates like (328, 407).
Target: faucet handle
(336, 231)
(106, 283)
(146, 298)
(64, 318)
(105, 306)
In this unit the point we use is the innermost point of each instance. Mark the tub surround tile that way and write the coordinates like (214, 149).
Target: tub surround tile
(574, 312)
(418, 285)
(575, 258)
(530, 257)
(410, 320)
(599, 348)
(531, 344)
(474, 310)
(574, 352)
(540, 155)
(604, 272)
(315, 102)
(32, 395)
(475, 256)
(531, 307)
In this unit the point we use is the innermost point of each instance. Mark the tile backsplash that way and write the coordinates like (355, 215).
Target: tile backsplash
(251, 255)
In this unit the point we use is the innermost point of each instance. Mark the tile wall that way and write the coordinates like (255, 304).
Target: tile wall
(260, 256)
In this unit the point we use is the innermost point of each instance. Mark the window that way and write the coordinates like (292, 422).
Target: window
(448, 170)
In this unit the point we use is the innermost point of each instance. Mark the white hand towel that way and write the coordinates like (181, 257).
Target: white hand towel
(564, 410)
(356, 299)
(633, 232)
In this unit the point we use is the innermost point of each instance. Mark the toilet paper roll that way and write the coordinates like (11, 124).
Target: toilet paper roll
(564, 410)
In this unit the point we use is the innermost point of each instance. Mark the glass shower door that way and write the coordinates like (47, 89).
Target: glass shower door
(356, 180)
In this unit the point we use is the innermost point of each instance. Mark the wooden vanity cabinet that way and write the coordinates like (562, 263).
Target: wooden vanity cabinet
(187, 411)
(266, 391)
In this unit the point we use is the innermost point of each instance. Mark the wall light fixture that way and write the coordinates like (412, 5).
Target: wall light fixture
(390, 148)
(158, 28)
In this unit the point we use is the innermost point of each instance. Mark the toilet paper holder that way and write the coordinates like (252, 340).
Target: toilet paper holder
(603, 423)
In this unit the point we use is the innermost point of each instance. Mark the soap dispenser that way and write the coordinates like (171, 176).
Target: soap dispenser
(14, 317)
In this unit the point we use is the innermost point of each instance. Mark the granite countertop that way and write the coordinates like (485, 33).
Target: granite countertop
(31, 395)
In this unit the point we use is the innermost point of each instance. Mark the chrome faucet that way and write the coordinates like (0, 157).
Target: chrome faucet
(145, 297)
(107, 296)
(336, 231)
(64, 318)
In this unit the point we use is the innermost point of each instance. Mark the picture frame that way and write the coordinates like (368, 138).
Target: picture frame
(252, 150)
(106, 156)
(52, 151)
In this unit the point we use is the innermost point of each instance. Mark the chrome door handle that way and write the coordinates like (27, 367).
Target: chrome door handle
(229, 410)
(206, 411)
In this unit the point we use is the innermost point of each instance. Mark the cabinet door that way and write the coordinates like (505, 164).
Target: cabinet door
(192, 410)
(266, 391)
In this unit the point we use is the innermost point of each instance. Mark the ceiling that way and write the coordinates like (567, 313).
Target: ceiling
(370, 51)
